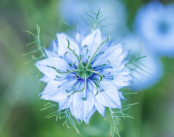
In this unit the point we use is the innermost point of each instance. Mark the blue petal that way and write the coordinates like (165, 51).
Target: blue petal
(82, 107)
(50, 53)
(89, 115)
(52, 50)
(45, 79)
(111, 54)
(79, 37)
(56, 90)
(122, 79)
(63, 104)
(63, 51)
(100, 108)
(109, 97)
(121, 95)
(92, 87)
(56, 62)
(54, 47)
(70, 102)
(93, 41)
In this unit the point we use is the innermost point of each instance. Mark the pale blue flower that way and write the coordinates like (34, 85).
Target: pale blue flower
(84, 74)
(146, 71)
(155, 24)
(112, 18)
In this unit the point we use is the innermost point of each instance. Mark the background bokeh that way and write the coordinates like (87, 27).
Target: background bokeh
(20, 114)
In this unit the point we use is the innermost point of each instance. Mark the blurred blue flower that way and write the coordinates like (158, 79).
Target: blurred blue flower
(155, 24)
(112, 18)
(84, 74)
(146, 71)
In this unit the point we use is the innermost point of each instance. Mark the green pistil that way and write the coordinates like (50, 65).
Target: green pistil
(73, 51)
(79, 90)
(84, 71)
(97, 50)
(62, 72)
(101, 76)
(96, 85)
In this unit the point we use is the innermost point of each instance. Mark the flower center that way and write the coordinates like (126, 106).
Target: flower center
(84, 70)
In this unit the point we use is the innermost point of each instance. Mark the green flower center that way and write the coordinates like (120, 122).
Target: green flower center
(84, 70)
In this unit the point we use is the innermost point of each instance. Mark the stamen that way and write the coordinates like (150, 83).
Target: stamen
(100, 66)
(65, 52)
(94, 59)
(62, 78)
(93, 78)
(74, 67)
(97, 50)
(101, 89)
(86, 51)
(103, 65)
(111, 67)
(73, 51)
(74, 86)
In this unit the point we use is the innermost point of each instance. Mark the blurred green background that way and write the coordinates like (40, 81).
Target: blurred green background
(20, 114)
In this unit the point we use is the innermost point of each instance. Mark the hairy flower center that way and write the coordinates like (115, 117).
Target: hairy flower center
(84, 70)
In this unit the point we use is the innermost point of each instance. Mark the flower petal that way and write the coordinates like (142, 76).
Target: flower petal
(54, 46)
(56, 62)
(89, 115)
(63, 104)
(100, 108)
(121, 95)
(122, 79)
(49, 53)
(71, 107)
(109, 97)
(56, 90)
(92, 87)
(63, 50)
(111, 54)
(93, 41)
(45, 79)
(82, 107)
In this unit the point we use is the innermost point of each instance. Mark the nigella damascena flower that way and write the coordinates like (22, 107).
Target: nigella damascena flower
(111, 12)
(155, 23)
(146, 71)
(84, 74)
